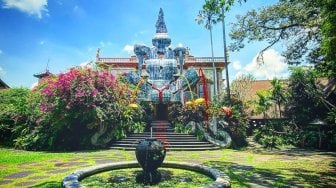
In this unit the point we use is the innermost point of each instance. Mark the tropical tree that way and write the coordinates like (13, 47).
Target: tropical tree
(209, 16)
(241, 86)
(263, 103)
(278, 94)
(217, 9)
(305, 27)
(328, 30)
(304, 101)
(305, 104)
(295, 22)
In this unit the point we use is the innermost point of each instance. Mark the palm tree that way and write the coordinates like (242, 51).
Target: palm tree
(226, 59)
(278, 93)
(209, 16)
(263, 103)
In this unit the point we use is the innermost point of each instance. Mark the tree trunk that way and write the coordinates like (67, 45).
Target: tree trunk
(320, 138)
(226, 62)
(214, 72)
(279, 106)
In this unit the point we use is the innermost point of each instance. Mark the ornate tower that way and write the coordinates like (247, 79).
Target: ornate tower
(161, 39)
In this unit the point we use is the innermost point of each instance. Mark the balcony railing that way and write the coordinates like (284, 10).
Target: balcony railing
(203, 59)
(117, 60)
(135, 60)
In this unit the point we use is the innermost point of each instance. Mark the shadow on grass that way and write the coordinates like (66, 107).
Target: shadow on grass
(323, 179)
(247, 176)
(49, 184)
(295, 152)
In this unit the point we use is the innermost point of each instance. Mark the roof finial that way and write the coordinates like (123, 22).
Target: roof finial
(160, 23)
(47, 68)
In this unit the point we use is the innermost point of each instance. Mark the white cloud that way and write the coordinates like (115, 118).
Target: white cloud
(42, 42)
(236, 65)
(128, 48)
(1, 52)
(34, 85)
(86, 64)
(274, 66)
(32, 7)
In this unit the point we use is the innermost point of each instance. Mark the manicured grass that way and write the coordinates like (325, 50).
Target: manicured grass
(11, 156)
(244, 167)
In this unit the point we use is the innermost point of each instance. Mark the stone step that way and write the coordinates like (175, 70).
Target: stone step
(170, 145)
(161, 126)
(159, 133)
(165, 138)
(170, 149)
(170, 142)
(161, 122)
(163, 131)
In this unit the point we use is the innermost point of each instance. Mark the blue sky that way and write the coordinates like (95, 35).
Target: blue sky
(68, 33)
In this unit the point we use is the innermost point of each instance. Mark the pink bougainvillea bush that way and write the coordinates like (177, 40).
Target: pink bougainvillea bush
(84, 108)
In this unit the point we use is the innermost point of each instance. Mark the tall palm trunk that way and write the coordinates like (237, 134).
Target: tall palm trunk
(226, 61)
(279, 107)
(213, 67)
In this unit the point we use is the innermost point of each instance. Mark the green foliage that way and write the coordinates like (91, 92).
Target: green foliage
(18, 113)
(180, 114)
(328, 30)
(293, 22)
(236, 124)
(306, 103)
(278, 94)
(210, 14)
(182, 128)
(263, 103)
(306, 27)
(79, 109)
(199, 134)
(271, 134)
(85, 108)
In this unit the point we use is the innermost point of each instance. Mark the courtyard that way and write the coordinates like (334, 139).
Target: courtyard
(246, 168)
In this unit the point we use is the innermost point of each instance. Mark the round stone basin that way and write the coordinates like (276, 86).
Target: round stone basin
(172, 171)
(124, 178)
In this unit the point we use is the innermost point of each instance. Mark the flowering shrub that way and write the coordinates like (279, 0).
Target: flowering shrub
(185, 114)
(235, 118)
(84, 108)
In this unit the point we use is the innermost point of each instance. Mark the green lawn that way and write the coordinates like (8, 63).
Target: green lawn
(245, 167)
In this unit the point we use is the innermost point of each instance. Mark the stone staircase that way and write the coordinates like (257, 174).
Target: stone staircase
(163, 131)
